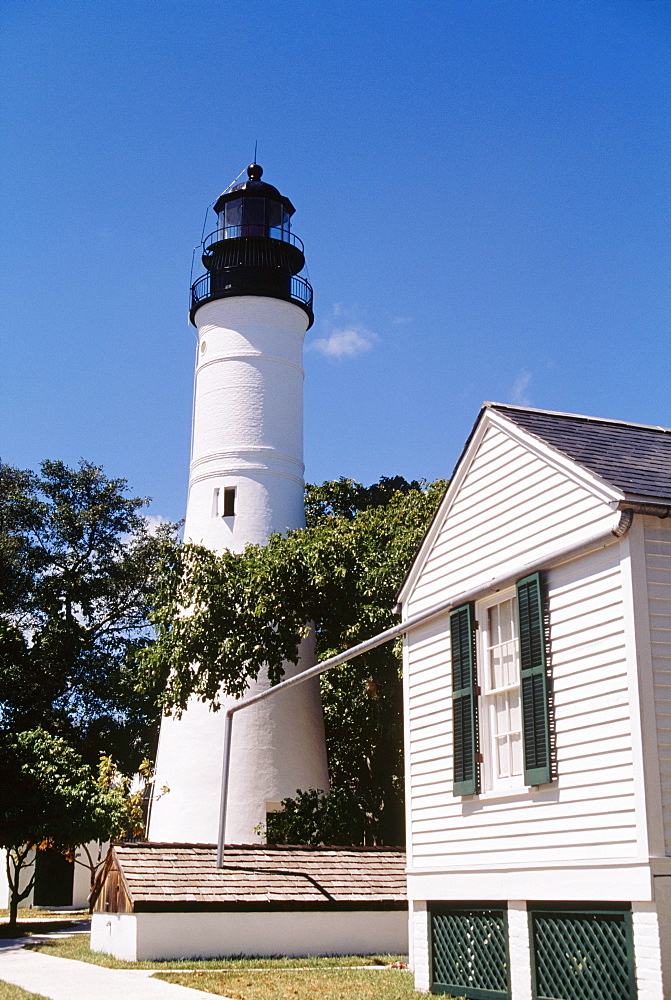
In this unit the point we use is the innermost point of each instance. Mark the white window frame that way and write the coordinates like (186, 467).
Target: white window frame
(486, 702)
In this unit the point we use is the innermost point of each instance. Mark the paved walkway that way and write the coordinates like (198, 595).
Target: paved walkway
(65, 979)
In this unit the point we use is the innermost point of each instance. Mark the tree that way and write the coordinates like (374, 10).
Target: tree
(347, 498)
(76, 560)
(113, 787)
(50, 799)
(221, 620)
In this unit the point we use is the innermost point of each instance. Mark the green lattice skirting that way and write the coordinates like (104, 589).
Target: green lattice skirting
(582, 955)
(470, 952)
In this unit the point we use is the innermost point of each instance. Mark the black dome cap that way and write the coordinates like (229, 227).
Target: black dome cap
(254, 187)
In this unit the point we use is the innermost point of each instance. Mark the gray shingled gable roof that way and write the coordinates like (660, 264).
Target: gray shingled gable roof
(180, 877)
(635, 458)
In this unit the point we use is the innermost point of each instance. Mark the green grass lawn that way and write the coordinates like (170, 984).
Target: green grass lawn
(77, 947)
(301, 984)
(23, 928)
(33, 913)
(9, 992)
(337, 978)
(33, 920)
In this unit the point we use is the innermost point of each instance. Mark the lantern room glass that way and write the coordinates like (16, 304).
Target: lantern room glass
(249, 217)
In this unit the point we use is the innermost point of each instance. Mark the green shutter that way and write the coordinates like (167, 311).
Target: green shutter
(464, 701)
(533, 682)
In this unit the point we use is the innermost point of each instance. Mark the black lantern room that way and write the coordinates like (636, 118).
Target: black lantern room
(253, 251)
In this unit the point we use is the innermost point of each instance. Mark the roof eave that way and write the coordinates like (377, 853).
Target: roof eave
(267, 906)
(640, 504)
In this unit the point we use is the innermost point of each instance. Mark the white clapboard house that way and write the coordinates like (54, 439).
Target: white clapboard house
(538, 715)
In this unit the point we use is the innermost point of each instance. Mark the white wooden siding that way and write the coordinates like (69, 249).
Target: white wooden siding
(511, 504)
(658, 571)
(589, 813)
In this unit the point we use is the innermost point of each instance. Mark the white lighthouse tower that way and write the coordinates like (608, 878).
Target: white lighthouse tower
(252, 310)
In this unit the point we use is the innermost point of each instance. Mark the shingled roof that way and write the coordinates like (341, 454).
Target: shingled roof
(635, 458)
(179, 877)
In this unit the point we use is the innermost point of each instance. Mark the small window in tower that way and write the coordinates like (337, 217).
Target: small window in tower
(229, 501)
(215, 503)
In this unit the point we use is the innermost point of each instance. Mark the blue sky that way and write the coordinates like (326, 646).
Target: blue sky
(482, 188)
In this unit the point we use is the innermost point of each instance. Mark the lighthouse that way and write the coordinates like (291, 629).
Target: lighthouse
(252, 309)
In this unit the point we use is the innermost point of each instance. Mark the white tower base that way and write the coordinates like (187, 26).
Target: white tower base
(277, 747)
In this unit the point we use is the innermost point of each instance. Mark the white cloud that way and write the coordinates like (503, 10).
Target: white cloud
(345, 341)
(154, 522)
(522, 381)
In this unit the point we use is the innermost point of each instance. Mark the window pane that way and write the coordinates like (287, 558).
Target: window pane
(506, 620)
(254, 211)
(494, 626)
(494, 669)
(502, 709)
(502, 760)
(274, 213)
(508, 663)
(502, 646)
(501, 714)
(515, 710)
(234, 212)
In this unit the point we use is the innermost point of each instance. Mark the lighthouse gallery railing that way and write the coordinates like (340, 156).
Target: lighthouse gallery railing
(301, 291)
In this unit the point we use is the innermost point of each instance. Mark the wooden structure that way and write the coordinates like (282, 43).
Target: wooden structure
(154, 901)
(538, 715)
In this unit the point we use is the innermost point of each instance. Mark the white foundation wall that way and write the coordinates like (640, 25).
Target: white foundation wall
(647, 950)
(4, 887)
(81, 887)
(419, 943)
(519, 948)
(81, 881)
(115, 934)
(26, 875)
(663, 901)
(154, 936)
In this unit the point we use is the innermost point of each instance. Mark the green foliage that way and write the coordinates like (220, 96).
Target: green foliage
(314, 818)
(50, 798)
(346, 498)
(221, 620)
(76, 559)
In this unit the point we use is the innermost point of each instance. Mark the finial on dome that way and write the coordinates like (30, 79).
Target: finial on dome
(254, 172)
